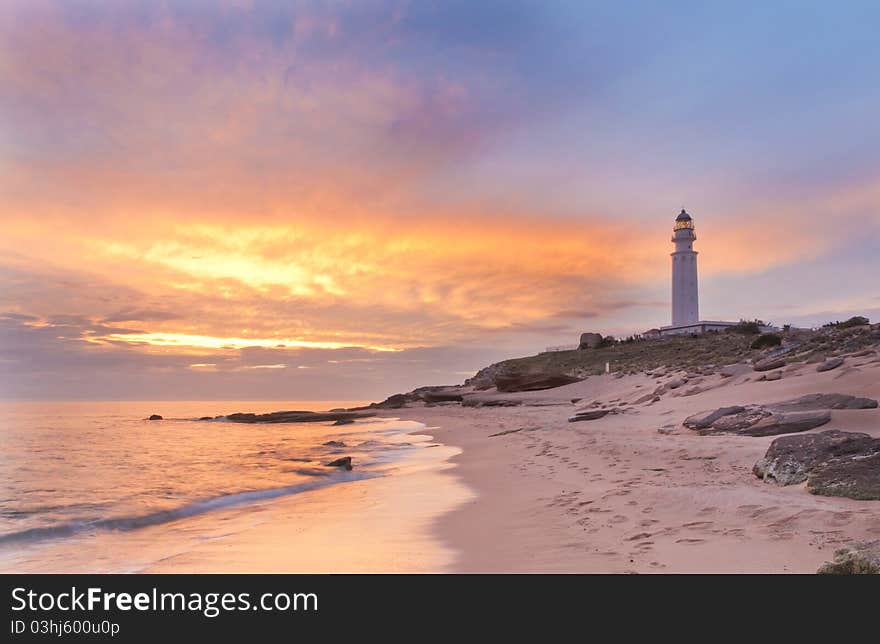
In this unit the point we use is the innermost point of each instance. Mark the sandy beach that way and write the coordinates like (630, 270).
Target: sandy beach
(614, 495)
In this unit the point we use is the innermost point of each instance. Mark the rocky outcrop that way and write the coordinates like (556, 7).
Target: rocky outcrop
(829, 364)
(705, 418)
(296, 416)
(769, 364)
(833, 463)
(590, 341)
(855, 477)
(441, 395)
(861, 558)
(155, 417)
(824, 401)
(771, 376)
(344, 463)
(478, 400)
(790, 459)
(510, 381)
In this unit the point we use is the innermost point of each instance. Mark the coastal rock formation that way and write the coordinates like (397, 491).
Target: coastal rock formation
(296, 416)
(855, 477)
(770, 377)
(790, 459)
(155, 417)
(862, 558)
(705, 418)
(344, 463)
(441, 395)
(833, 463)
(829, 364)
(510, 381)
(769, 364)
(824, 401)
(590, 341)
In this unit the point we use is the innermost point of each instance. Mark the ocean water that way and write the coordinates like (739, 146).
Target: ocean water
(74, 469)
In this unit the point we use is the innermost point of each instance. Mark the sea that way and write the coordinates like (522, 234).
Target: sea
(80, 473)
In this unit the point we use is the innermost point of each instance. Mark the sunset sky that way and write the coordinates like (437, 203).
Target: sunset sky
(341, 200)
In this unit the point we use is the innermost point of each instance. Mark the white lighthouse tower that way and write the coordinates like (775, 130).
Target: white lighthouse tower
(685, 294)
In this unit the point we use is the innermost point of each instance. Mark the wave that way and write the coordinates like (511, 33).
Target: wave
(127, 523)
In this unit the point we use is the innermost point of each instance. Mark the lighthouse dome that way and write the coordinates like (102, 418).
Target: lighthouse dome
(683, 221)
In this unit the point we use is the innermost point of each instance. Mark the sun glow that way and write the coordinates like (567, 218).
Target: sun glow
(210, 342)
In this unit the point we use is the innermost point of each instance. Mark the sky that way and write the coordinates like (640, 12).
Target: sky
(342, 200)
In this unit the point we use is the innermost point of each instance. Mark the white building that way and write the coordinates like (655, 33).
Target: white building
(685, 287)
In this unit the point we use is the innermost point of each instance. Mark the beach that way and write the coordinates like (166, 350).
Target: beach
(614, 495)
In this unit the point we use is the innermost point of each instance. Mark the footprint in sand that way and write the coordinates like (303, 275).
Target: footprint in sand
(690, 541)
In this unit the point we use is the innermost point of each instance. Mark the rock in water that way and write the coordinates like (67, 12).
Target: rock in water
(155, 417)
(334, 444)
(344, 463)
(829, 364)
(296, 416)
(861, 558)
(521, 381)
(790, 459)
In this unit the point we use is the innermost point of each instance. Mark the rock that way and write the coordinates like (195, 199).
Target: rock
(589, 414)
(590, 341)
(296, 416)
(770, 377)
(344, 421)
(706, 418)
(769, 364)
(666, 429)
(395, 401)
(206, 418)
(758, 421)
(675, 383)
(334, 444)
(829, 364)
(824, 401)
(790, 459)
(643, 399)
(861, 558)
(521, 381)
(155, 417)
(856, 477)
(441, 395)
(344, 463)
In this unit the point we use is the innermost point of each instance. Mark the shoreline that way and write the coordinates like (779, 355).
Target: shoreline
(614, 495)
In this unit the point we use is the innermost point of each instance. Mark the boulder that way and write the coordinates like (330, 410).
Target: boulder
(770, 377)
(824, 401)
(790, 459)
(344, 421)
(344, 463)
(855, 477)
(706, 418)
(861, 558)
(829, 364)
(334, 444)
(675, 383)
(523, 381)
(589, 414)
(769, 364)
(758, 421)
(590, 341)
(155, 417)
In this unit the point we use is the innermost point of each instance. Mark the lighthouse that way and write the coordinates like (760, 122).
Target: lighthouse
(685, 295)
